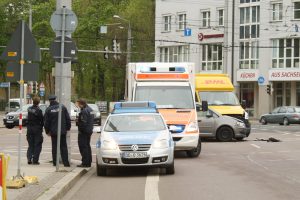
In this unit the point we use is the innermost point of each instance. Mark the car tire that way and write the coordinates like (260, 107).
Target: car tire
(9, 126)
(263, 121)
(286, 121)
(170, 169)
(99, 123)
(101, 171)
(225, 134)
(195, 152)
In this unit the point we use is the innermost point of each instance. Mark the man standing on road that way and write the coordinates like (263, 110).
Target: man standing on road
(85, 130)
(51, 124)
(34, 132)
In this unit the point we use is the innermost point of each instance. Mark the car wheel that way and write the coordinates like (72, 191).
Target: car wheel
(225, 134)
(99, 123)
(101, 171)
(286, 121)
(9, 126)
(263, 121)
(195, 152)
(170, 169)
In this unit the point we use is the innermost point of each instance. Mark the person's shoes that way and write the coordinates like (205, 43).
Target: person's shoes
(82, 165)
(54, 164)
(67, 165)
(35, 163)
(29, 162)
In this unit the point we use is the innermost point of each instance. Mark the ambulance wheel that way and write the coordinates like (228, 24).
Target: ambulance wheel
(195, 152)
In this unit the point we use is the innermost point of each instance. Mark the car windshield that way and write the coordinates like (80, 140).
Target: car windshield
(297, 109)
(94, 107)
(219, 98)
(24, 108)
(134, 123)
(14, 104)
(166, 96)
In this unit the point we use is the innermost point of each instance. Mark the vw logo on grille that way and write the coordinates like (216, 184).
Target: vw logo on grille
(134, 147)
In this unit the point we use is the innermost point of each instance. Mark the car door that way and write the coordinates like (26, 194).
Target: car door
(271, 118)
(281, 114)
(206, 122)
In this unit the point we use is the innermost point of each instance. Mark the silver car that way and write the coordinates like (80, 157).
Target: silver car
(223, 128)
(284, 115)
(134, 136)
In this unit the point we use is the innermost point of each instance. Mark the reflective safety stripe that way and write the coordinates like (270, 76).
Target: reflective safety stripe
(166, 76)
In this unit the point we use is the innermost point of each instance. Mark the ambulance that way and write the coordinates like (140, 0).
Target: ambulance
(218, 91)
(172, 87)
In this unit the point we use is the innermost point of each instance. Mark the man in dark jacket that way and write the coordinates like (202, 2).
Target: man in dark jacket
(85, 130)
(34, 132)
(51, 125)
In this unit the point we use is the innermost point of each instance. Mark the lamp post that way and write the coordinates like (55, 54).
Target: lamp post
(128, 58)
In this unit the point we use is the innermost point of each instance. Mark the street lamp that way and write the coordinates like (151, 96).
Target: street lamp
(128, 58)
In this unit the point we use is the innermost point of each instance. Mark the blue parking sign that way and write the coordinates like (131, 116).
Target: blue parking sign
(261, 80)
(42, 93)
(187, 32)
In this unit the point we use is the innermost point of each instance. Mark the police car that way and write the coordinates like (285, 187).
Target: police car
(135, 135)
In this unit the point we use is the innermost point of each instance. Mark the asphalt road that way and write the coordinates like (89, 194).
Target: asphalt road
(234, 170)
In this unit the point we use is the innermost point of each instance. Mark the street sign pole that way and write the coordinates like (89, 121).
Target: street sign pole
(60, 87)
(9, 97)
(21, 100)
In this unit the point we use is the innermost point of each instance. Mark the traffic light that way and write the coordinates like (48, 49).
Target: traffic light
(34, 87)
(269, 89)
(114, 47)
(106, 52)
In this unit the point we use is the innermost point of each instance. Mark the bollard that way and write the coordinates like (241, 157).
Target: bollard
(3, 172)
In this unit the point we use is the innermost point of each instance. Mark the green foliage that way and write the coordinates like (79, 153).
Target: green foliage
(95, 78)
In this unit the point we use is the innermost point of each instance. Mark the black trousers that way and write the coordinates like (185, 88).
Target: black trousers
(35, 141)
(84, 140)
(63, 149)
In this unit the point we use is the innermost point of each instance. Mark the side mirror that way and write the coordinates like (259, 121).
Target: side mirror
(97, 129)
(198, 107)
(204, 106)
(243, 104)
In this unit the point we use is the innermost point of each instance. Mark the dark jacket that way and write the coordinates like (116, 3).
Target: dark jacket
(51, 119)
(35, 120)
(86, 120)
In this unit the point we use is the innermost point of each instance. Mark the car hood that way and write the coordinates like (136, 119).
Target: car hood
(225, 110)
(126, 138)
(178, 116)
(15, 113)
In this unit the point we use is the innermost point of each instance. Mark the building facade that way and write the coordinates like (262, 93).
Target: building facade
(257, 43)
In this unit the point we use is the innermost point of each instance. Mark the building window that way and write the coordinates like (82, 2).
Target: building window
(167, 23)
(181, 21)
(206, 18)
(221, 17)
(276, 11)
(282, 92)
(249, 1)
(286, 53)
(296, 10)
(249, 55)
(297, 93)
(212, 57)
(174, 54)
(249, 22)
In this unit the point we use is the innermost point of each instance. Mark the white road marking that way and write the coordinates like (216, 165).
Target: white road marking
(286, 134)
(284, 151)
(297, 135)
(265, 152)
(151, 186)
(256, 146)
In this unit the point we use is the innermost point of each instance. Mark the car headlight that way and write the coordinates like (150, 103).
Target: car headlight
(192, 127)
(240, 124)
(161, 144)
(109, 145)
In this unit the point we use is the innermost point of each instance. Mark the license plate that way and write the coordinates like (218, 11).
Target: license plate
(135, 155)
(9, 122)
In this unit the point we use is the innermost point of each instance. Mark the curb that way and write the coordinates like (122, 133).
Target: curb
(58, 190)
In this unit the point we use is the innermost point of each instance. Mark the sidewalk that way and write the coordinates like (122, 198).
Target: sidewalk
(47, 179)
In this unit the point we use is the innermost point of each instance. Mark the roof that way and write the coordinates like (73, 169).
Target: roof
(135, 107)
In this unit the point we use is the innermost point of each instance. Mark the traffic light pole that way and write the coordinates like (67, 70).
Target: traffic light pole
(63, 77)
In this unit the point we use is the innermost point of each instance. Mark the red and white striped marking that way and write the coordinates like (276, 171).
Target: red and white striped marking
(20, 122)
(1, 178)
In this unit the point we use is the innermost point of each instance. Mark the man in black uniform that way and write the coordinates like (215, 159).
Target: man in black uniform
(51, 125)
(85, 130)
(34, 132)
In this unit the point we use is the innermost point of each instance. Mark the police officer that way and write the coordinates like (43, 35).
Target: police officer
(85, 130)
(34, 132)
(51, 124)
